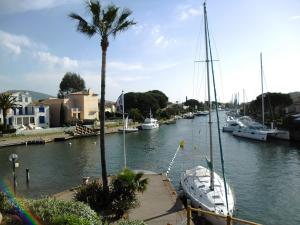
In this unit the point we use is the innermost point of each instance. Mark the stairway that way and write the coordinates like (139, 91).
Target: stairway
(83, 130)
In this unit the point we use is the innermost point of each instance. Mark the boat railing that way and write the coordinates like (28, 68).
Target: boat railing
(229, 219)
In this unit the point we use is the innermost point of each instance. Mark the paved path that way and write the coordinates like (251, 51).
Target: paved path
(159, 204)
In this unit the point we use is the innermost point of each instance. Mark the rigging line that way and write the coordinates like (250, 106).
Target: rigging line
(219, 65)
(218, 121)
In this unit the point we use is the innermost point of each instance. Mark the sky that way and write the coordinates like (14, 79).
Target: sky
(39, 44)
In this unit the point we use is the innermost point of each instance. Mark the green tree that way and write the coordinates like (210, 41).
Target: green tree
(106, 22)
(7, 101)
(70, 83)
(161, 98)
(193, 104)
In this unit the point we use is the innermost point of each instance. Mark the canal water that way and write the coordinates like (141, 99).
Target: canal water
(265, 177)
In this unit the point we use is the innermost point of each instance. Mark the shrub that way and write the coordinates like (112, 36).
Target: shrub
(70, 220)
(50, 210)
(92, 194)
(5, 205)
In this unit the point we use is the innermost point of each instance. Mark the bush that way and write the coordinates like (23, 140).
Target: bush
(121, 196)
(50, 210)
(133, 222)
(5, 205)
(70, 220)
(93, 195)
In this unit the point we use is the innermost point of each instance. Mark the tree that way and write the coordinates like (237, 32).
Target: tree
(106, 22)
(70, 83)
(192, 103)
(7, 101)
(160, 97)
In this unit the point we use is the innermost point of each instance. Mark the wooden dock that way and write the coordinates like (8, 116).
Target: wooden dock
(159, 204)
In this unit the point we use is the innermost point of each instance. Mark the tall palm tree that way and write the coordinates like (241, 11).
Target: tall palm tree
(7, 101)
(106, 22)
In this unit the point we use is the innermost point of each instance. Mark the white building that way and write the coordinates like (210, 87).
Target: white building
(28, 114)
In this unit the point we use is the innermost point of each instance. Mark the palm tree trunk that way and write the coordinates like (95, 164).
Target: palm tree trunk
(102, 117)
(4, 119)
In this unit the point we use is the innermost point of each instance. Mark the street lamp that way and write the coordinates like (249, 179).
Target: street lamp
(13, 158)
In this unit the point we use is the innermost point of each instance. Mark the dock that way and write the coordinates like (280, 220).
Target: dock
(159, 204)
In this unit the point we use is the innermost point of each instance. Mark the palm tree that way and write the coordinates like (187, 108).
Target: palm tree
(134, 180)
(7, 101)
(106, 22)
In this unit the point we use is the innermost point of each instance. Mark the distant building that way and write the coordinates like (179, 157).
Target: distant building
(110, 106)
(82, 105)
(29, 114)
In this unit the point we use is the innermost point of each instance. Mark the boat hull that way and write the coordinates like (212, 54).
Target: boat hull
(254, 135)
(128, 130)
(195, 186)
(149, 126)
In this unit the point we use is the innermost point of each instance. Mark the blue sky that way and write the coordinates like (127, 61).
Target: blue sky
(39, 44)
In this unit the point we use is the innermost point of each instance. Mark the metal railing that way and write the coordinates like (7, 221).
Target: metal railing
(229, 219)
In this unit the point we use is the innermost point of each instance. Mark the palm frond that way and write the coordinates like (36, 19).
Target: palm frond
(94, 8)
(109, 17)
(83, 26)
(122, 27)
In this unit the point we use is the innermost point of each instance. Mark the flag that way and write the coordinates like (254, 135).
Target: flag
(120, 104)
(209, 164)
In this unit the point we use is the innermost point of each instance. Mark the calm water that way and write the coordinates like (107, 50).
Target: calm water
(265, 176)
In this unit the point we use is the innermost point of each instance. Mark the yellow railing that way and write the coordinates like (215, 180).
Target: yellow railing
(229, 219)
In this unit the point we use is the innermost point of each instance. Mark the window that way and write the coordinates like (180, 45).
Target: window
(42, 119)
(26, 99)
(20, 111)
(41, 109)
(32, 120)
(26, 110)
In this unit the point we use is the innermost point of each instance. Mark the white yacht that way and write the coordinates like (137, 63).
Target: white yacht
(251, 132)
(231, 124)
(201, 113)
(150, 123)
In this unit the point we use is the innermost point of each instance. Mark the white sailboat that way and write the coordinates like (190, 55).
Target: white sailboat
(125, 129)
(257, 131)
(204, 187)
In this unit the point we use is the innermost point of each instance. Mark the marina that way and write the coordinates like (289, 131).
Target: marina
(260, 173)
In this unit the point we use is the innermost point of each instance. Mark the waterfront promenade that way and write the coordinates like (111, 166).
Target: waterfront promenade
(43, 138)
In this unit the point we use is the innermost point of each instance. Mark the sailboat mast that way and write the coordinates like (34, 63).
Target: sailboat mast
(209, 101)
(262, 92)
(244, 102)
(124, 144)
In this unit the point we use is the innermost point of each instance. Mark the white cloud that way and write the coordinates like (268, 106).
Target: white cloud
(14, 43)
(295, 17)
(14, 6)
(186, 11)
(53, 60)
(160, 40)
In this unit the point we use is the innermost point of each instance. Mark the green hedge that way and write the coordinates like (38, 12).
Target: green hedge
(50, 211)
